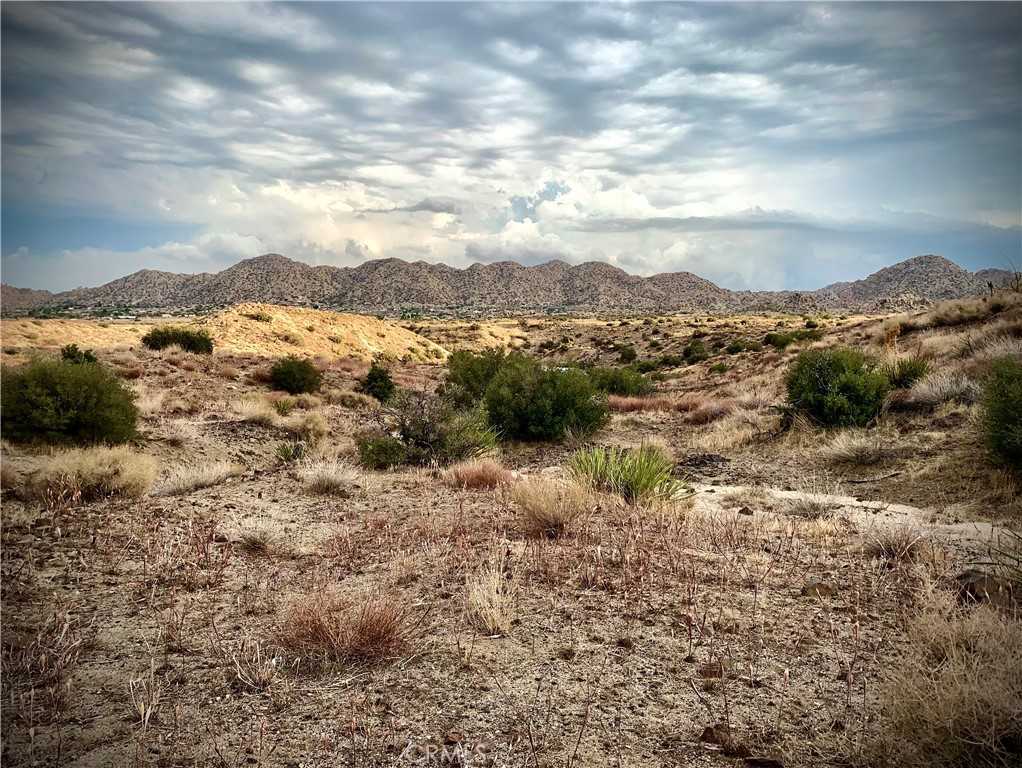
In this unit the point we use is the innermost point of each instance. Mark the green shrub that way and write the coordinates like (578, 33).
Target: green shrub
(469, 373)
(433, 432)
(260, 317)
(695, 351)
(291, 451)
(65, 402)
(782, 339)
(719, 368)
(284, 406)
(377, 450)
(1002, 411)
(639, 475)
(529, 402)
(620, 381)
(905, 372)
(188, 339)
(836, 387)
(670, 361)
(626, 353)
(377, 382)
(645, 366)
(295, 375)
(72, 354)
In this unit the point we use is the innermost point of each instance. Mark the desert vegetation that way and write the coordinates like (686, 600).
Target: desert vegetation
(751, 539)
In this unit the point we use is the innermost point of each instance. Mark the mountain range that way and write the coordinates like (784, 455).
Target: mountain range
(390, 285)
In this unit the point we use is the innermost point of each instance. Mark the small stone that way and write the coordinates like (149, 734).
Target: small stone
(625, 642)
(744, 511)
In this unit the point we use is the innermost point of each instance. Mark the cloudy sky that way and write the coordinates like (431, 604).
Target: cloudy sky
(766, 146)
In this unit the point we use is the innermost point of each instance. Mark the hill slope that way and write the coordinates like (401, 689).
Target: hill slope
(386, 285)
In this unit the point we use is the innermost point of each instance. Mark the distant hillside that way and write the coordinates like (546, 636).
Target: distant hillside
(390, 285)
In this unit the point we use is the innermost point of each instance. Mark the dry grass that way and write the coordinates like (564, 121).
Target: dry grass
(710, 411)
(93, 473)
(335, 477)
(477, 474)
(860, 448)
(187, 479)
(630, 404)
(733, 431)
(897, 545)
(547, 508)
(309, 427)
(180, 432)
(942, 387)
(150, 403)
(374, 629)
(812, 502)
(953, 698)
(490, 595)
(257, 542)
(256, 410)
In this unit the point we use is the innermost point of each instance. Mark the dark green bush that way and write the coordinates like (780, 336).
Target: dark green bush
(781, 339)
(72, 354)
(836, 387)
(626, 353)
(620, 381)
(58, 401)
(810, 323)
(295, 375)
(188, 339)
(670, 361)
(377, 450)
(469, 373)
(377, 382)
(695, 352)
(529, 402)
(1002, 411)
(905, 372)
(719, 368)
(645, 366)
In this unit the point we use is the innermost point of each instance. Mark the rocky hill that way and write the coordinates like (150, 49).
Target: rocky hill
(390, 285)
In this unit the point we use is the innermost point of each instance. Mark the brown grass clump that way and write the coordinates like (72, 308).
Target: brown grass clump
(477, 474)
(187, 479)
(348, 399)
(490, 595)
(87, 474)
(310, 427)
(546, 508)
(710, 411)
(953, 699)
(373, 629)
(629, 404)
(256, 411)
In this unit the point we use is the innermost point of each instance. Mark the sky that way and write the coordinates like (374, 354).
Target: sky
(761, 146)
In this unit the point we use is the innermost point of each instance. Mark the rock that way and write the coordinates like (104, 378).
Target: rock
(625, 642)
(744, 511)
(818, 589)
(975, 586)
(763, 762)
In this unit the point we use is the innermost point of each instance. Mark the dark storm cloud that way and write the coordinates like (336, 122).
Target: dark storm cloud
(492, 112)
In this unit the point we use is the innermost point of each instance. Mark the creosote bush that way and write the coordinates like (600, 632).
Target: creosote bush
(1002, 411)
(837, 387)
(378, 450)
(620, 381)
(469, 373)
(64, 402)
(190, 340)
(377, 382)
(528, 401)
(295, 375)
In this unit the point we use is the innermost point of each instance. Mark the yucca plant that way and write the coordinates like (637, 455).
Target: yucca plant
(290, 452)
(638, 476)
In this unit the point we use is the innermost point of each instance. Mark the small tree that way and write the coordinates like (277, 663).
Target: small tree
(469, 373)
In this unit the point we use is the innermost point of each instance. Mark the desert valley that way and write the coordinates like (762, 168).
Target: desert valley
(303, 537)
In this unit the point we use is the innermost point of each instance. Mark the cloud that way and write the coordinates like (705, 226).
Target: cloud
(767, 142)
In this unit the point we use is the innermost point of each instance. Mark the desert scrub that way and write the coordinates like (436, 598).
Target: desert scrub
(1002, 411)
(377, 382)
(469, 373)
(295, 375)
(836, 387)
(640, 475)
(527, 401)
(378, 450)
(477, 474)
(620, 381)
(906, 371)
(93, 473)
(431, 431)
(190, 340)
(332, 477)
(63, 402)
(184, 480)
(72, 354)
